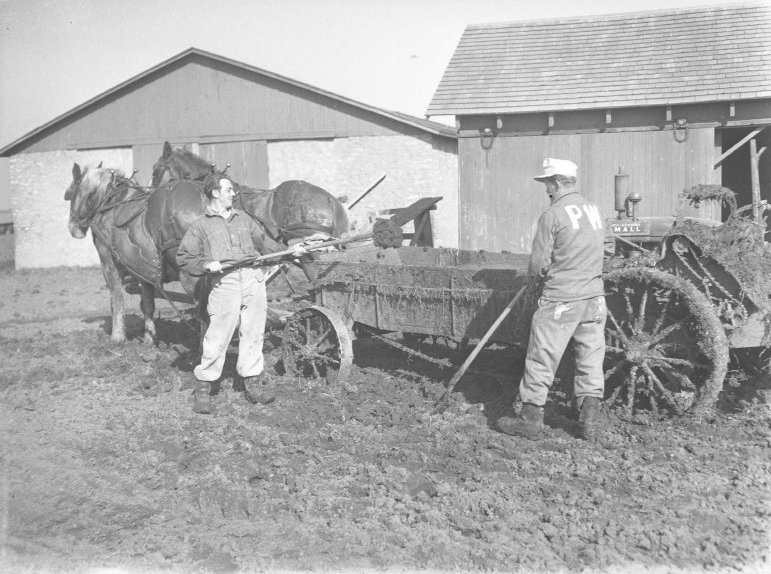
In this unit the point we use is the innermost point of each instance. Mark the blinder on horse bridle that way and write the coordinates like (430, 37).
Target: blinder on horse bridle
(111, 188)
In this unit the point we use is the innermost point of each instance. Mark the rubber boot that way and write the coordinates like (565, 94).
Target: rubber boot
(256, 393)
(528, 424)
(202, 400)
(588, 419)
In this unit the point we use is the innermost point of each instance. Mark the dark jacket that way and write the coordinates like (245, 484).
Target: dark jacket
(211, 237)
(568, 249)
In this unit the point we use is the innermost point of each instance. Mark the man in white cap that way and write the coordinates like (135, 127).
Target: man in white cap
(566, 259)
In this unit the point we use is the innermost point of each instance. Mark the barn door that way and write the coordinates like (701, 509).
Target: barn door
(248, 161)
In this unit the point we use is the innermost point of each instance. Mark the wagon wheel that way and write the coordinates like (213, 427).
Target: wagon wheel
(666, 349)
(317, 343)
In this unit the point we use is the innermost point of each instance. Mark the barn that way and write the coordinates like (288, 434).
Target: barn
(674, 98)
(269, 128)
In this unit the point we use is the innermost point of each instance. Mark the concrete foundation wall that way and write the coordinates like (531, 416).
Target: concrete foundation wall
(415, 168)
(40, 214)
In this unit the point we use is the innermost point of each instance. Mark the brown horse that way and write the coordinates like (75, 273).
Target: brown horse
(95, 196)
(293, 209)
(136, 232)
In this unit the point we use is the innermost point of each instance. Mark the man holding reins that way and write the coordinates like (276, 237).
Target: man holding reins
(238, 295)
(566, 259)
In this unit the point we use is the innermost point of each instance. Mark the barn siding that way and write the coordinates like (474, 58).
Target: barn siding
(415, 168)
(40, 214)
(208, 101)
(501, 203)
(248, 161)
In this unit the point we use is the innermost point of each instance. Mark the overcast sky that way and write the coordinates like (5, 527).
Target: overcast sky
(56, 54)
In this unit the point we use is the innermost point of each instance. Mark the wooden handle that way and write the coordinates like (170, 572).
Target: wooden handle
(470, 359)
(278, 254)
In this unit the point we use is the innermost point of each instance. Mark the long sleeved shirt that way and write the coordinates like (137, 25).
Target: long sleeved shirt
(568, 249)
(212, 237)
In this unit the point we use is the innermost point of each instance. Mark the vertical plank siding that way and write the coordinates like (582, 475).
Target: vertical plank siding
(248, 161)
(208, 101)
(500, 202)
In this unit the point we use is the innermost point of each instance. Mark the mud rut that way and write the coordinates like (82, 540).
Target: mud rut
(105, 465)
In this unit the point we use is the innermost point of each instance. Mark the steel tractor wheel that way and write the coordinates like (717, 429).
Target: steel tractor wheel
(317, 344)
(666, 350)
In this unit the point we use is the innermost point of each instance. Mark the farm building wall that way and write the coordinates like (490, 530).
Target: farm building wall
(40, 214)
(500, 202)
(202, 100)
(415, 167)
(229, 114)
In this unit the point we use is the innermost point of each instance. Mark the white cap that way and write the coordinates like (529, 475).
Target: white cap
(553, 167)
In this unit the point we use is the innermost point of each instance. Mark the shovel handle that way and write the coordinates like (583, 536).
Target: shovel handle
(470, 359)
(278, 254)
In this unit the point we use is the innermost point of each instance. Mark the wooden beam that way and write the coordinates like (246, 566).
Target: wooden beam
(754, 174)
(740, 143)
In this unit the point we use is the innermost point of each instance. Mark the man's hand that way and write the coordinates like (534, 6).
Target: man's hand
(213, 266)
(298, 250)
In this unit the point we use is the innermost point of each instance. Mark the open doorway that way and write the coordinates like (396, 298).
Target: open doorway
(736, 169)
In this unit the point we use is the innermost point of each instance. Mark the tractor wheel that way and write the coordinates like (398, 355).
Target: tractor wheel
(666, 350)
(317, 344)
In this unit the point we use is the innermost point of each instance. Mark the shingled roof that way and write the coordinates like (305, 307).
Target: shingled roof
(656, 58)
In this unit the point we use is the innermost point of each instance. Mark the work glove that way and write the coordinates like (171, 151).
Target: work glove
(316, 239)
(299, 250)
(213, 266)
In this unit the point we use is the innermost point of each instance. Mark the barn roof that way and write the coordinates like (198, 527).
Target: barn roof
(663, 57)
(419, 123)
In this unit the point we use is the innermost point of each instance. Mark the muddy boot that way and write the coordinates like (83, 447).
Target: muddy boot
(589, 418)
(202, 404)
(528, 424)
(256, 393)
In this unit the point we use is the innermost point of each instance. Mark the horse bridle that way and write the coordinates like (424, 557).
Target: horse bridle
(112, 189)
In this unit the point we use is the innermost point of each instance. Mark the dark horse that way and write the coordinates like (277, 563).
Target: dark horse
(293, 209)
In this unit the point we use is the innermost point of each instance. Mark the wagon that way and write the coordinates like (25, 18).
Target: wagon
(414, 290)
(671, 318)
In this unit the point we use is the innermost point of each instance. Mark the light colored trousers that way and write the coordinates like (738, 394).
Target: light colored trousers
(237, 299)
(553, 325)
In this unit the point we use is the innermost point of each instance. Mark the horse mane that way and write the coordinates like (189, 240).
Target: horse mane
(190, 160)
(97, 179)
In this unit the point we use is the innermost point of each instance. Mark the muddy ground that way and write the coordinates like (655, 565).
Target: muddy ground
(105, 467)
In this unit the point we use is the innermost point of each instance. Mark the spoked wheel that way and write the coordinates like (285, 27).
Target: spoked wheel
(666, 350)
(317, 344)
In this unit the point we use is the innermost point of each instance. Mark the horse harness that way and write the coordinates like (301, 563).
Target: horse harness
(288, 231)
(124, 222)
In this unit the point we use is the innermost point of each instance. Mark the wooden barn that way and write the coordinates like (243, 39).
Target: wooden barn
(674, 98)
(269, 128)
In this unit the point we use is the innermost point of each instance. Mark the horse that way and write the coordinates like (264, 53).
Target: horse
(292, 210)
(137, 231)
(95, 195)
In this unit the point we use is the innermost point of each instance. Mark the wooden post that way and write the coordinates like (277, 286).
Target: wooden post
(755, 180)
